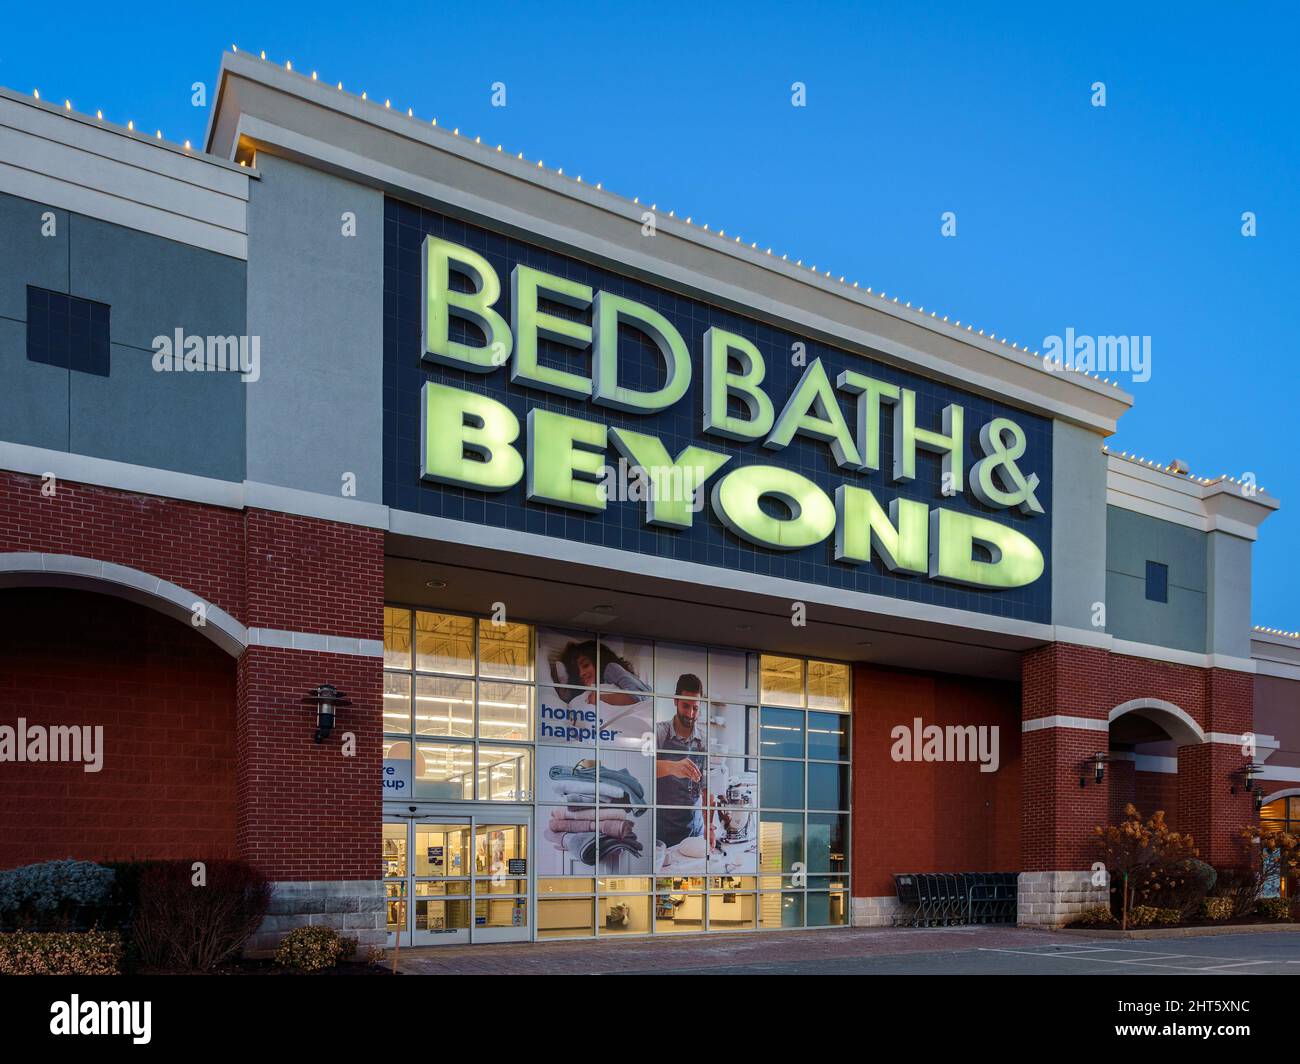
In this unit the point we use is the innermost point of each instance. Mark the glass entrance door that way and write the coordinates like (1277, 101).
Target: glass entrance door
(500, 882)
(456, 880)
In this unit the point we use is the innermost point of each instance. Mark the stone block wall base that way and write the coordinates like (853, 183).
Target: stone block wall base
(353, 907)
(1052, 899)
(875, 912)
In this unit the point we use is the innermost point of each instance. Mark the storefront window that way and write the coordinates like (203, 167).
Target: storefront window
(829, 686)
(734, 817)
(444, 643)
(505, 651)
(457, 686)
(783, 681)
(828, 737)
(444, 706)
(1281, 814)
(397, 638)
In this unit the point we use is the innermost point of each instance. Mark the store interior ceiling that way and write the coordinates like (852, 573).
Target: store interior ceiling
(587, 598)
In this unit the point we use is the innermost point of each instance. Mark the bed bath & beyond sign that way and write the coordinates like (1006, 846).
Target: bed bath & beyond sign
(472, 440)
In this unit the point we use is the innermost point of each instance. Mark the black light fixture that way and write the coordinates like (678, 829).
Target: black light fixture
(1248, 772)
(1098, 764)
(1259, 800)
(325, 698)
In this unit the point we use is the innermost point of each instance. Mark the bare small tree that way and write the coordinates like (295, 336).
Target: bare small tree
(1136, 851)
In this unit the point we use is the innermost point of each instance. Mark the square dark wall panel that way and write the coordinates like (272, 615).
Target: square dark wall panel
(1157, 582)
(67, 331)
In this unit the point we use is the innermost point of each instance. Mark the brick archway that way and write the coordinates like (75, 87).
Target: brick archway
(1177, 723)
(27, 569)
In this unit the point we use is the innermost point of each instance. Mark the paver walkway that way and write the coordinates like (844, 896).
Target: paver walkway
(769, 950)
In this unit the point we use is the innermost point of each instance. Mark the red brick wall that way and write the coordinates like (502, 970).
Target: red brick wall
(931, 816)
(309, 575)
(305, 810)
(1158, 790)
(296, 809)
(198, 547)
(1059, 815)
(165, 696)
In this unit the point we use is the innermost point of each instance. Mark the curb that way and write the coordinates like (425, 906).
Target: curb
(1180, 932)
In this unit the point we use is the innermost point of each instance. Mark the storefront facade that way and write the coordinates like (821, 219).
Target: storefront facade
(671, 586)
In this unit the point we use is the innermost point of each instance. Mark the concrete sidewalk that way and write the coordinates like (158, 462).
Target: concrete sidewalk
(768, 950)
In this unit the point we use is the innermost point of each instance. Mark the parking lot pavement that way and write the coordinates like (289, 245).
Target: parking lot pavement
(871, 951)
(1246, 954)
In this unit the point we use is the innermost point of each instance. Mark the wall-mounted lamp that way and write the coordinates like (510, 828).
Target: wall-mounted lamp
(1249, 771)
(1259, 800)
(1098, 763)
(325, 698)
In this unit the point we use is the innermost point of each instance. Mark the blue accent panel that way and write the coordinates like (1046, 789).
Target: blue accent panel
(67, 331)
(622, 525)
(1157, 582)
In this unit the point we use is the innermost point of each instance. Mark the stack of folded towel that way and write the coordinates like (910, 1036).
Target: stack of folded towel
(590, 833)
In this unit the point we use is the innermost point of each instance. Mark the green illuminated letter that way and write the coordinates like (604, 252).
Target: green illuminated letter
(720, 383)
(441, 303)
(674, 484)
(873, 393)
(609, 312)
(900, 538)
(529, 323)
(908, 439)
(1016, 560)
(736, 502)
(813, 410)
(566, 456)
(456, 424)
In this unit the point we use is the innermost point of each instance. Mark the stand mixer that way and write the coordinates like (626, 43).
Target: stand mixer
(737, 813)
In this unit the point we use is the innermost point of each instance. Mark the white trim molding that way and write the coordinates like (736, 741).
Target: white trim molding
(58, 158)
(121, 581)
(1179, 726)
(261, 106)
(31, 569)
(1062, 721)
(1207, 505)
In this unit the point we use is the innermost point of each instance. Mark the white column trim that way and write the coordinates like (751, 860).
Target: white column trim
(1062, 721)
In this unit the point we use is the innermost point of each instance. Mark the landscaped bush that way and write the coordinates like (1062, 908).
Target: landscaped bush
(1142, 915)
(1180, 885)
(53, 895)
(1097, 916)
(1274, 908)
(178, 924)
(1217, 908)
(1240, 887)
(60, 952)
(311, 949)
(1146, 856)
(1169, 917)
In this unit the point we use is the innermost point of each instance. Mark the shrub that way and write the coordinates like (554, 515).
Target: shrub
(60, 952)
(178, 924)
(1142, 915)
(1274, 908)
(1097, 916)
(53, 894)
(1169, 917)
(1217, 908)
(1180, 885)
(1142, 855)
(310, 949)
(1240, 887)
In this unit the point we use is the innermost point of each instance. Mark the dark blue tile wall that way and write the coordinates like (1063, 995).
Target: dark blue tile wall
(622, 524)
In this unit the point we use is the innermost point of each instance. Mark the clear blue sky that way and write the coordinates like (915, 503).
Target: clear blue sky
(1122, 220)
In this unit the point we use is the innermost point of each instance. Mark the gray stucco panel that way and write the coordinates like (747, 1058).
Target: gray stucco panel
(315, 296)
